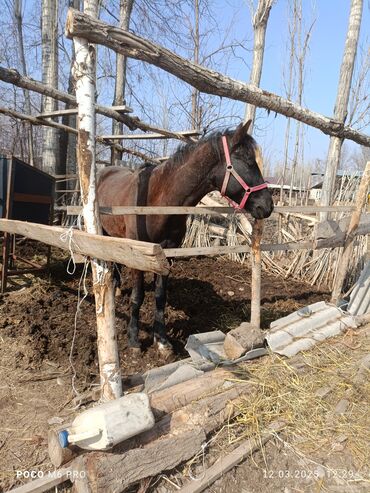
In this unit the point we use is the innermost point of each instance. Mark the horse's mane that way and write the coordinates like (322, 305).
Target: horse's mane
(212, 138)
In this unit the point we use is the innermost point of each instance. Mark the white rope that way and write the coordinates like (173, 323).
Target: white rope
(67, 236)
(81, 284)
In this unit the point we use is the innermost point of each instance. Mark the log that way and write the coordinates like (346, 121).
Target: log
(242, 339)
(352, 228)
(170, 399)
(173, 440)
(203, 79)
(57, 454)
(135, 254)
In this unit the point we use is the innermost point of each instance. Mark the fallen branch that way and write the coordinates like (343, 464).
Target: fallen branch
(224, 464)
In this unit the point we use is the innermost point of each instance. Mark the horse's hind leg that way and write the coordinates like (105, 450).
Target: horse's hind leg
(137, 298)
(159, 327)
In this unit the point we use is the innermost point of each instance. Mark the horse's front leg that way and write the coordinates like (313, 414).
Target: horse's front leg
(159, 327)
(137, 298)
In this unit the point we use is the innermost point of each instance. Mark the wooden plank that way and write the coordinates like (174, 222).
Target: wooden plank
(186, 133)
(32, 198)
(202, 210)
(74, 111)
(224, 464)
(135, 254)
(198, 251)
(50, 480)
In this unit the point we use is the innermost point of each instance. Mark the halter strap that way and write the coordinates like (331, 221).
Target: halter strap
(231, 171)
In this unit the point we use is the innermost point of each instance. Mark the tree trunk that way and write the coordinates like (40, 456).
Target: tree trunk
(260, 20)
(341, 104)
(195, 109)
(68, 142)
(22, 59)
(204, 79)
(85, 75)
(49, 30)
(121, 70)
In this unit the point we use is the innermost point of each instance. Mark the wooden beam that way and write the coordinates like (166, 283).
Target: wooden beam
(74, 111)
(36, 121)
(135, 254)
(52, 479)
(209, 81)
(200, 210)
(188, 133)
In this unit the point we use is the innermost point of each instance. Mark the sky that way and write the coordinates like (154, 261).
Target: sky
(323, 63)
(322, 66)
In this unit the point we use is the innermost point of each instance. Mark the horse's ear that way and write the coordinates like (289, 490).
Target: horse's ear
(240, 133)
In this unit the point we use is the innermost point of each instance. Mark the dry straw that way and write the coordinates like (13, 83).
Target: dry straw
(317, 395)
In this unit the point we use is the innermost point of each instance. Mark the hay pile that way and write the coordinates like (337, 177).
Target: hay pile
(322, 395)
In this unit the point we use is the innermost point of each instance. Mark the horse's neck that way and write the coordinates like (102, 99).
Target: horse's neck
(187, 182)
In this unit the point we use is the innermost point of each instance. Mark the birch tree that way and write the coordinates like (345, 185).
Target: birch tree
(121, 70)
(341, 104)
(85, 79)
(22, 60)
(260, 19)
(49, 34)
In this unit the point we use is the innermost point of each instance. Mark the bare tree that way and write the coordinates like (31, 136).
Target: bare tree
(260, 19)
(68, 140)
(22, 59)
(121, 69)
(49, 32)
(300, 55)
(341, 104)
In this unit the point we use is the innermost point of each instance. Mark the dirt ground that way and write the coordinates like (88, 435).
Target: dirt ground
(44, 342)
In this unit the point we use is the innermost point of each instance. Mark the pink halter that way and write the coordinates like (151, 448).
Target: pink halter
(231, 171)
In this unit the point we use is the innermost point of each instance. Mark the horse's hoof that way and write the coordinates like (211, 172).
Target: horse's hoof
(165, 348)
(117, 292)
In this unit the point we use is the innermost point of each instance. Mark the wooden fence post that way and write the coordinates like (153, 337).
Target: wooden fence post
(85, 78)
(348, 242)
(256, 273)
(256, 263)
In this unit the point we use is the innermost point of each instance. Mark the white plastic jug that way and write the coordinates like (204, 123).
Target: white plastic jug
(103, 426)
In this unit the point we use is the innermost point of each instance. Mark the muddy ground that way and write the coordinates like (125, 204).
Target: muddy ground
(37, 327)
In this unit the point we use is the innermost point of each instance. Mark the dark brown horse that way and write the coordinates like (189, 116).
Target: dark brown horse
(227, 161)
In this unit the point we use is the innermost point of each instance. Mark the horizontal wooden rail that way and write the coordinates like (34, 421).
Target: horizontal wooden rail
(205, 210)
(135, 254)
(74, 111)
(186, 133)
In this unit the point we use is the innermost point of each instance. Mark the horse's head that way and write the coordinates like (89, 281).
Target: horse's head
(238, 176)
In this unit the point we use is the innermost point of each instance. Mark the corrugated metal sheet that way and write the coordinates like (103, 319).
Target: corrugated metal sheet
(302, 329)
(359, 303)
